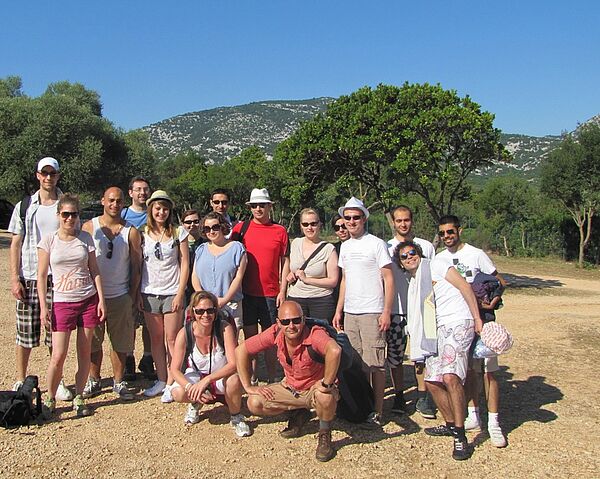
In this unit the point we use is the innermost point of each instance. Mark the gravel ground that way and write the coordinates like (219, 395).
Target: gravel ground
(549, 410)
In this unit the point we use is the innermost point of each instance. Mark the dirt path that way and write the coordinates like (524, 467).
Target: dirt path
(550, 411)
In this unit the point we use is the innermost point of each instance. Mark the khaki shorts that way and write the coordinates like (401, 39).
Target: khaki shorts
(120, 324)
(288, 398)
(487, 365)
(365, 336)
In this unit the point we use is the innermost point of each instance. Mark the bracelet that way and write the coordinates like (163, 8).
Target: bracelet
(187, 386)
(327, 386)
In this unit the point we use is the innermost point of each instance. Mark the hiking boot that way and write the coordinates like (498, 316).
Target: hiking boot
(325, 450)
(129, 373)
(122, 390)
(92, 387)
(156, 388)
(426, 407)
(441, 430)
(80, 407)
(146, 367)
(496, 436)
(63, 393)
(399, 406)
(48, 407)
(16, 386)
(239, 424)
(472, 423)
(192, 415)
(462, 450)
(167, 397)
(298, 419)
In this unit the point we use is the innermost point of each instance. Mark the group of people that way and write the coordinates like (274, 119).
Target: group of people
(194, 287)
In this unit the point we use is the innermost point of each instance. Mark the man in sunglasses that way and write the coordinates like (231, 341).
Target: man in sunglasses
(397, 334)
(264, 284)
(366, 298)
(308, 384)
(33, 217)
(118, 254)
(220, 200)
(340, 230)
(469, 261)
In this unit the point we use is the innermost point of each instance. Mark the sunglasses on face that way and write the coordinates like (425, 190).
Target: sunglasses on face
(110, 249)
(220, 202)
(141, 190)
(253, 206)
(353, 217)
(191, 222)
(443, 233)
(409, 253)
(69, 214)
(339, 227)
(201, 311)
(286, 322)
(208, 229)
(314, 224)
(47, 174)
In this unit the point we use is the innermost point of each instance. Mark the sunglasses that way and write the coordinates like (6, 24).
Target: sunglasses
(110, 249)
(410, 253)
(157, 251)
(69, 214)
(141, 190)
(201, 311)
(208, 229)
(220, 202)
(353, 217)
(191, 222)
(286, 322)
(443, 233)
(253, 206)
(314, 224)
(339, 227)
(50, 174)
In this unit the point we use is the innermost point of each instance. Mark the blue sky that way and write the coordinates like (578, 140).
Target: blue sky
(534, 64)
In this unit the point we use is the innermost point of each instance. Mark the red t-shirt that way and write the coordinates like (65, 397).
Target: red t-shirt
(303, 372)
(265, 246)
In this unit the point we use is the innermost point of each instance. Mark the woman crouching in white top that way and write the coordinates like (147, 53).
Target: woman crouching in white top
(208, 373)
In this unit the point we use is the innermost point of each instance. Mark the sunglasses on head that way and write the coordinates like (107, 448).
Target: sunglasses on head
(449, 232)
(306, 224)
(410, 253)
(201, 311)
(191, 222)
(287, 321)
(353, 217)
(69, 214)
(208, 229)
(110, 249)
(339, 227)
(258, 205)
(220, 202)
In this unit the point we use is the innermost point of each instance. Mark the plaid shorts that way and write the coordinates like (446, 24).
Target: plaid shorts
(396, 340)
(29, 326)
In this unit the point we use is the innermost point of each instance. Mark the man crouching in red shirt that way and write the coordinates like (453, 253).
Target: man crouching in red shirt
(307, 384)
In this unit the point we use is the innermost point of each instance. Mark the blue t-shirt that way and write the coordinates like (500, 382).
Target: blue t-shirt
(216, 273)
(136, 219)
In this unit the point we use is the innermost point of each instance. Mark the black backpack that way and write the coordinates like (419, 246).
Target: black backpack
(17, 408)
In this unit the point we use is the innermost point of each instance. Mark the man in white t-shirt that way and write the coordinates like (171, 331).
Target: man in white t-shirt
(469, 261)
(397, 334)
(40, 218)
(366, 297)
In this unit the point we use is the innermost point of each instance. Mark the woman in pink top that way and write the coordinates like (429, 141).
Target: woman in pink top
(78, 301)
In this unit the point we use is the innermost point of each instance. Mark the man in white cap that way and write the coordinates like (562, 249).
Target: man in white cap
(32, 218)
(264, 285)
(366, 297)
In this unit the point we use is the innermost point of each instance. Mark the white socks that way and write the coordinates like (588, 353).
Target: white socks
(493, 419)
(473, 414)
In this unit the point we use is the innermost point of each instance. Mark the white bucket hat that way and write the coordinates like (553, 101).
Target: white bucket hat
(259, 196)
(355, 204)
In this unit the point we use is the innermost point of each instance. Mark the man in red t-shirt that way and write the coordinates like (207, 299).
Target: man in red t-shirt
(307, 384)
(263, 285)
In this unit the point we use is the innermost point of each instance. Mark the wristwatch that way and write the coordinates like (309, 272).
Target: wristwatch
(327, 386)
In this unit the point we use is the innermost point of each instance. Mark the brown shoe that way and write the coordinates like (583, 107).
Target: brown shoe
(325, 450)
(298, 419)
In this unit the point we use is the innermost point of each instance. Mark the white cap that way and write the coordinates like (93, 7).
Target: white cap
(48, 161)
(355, 204)
(259, 196)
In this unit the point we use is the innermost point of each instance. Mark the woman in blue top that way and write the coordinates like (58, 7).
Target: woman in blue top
(220, 265)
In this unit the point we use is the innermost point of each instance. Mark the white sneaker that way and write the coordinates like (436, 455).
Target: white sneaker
(17, 385)
(239, 424)
(92, 387)
(192, 415)
(167, 397)
(472, 424)
(496, 436)
(63, 393)
(154, 390)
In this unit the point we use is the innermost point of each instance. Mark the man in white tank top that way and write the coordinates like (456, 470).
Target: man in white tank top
(118, 253)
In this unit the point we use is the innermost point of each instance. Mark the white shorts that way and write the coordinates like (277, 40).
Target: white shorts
(453, 344)
(194, 377)
(487, 365)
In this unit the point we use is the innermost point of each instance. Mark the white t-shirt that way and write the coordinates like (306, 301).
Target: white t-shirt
(362, 259)
(160, 276)
(401, 277)
(468, 261)
(450, 305)
(46, 219)
(114, 271)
